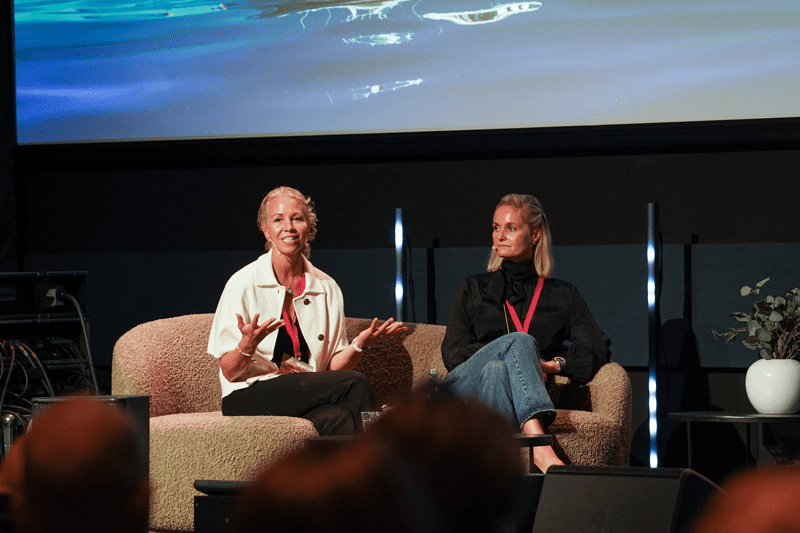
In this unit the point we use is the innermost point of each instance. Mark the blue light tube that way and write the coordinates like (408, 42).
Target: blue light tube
(399, 243)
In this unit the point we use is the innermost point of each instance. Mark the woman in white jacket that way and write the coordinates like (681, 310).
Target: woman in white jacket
(298, 361)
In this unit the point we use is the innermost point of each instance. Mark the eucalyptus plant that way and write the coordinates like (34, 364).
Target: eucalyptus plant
(772, 325)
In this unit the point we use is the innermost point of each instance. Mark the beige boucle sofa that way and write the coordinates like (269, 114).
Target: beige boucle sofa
(190, 439)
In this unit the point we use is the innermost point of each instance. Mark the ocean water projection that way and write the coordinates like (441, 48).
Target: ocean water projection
(104, 70)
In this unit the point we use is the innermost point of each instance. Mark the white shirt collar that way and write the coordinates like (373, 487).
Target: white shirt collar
(265, 275)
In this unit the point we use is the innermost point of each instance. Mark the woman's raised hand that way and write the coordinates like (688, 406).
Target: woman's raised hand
(253, 333)
(374, 333)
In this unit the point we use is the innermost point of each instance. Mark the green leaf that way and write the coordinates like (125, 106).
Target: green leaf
(763, 307)
(747, 291)
(762, 316)
(741, 317)
(765, 354)
(776, 317)
(763, 335)
(762, 282)
(751, 342)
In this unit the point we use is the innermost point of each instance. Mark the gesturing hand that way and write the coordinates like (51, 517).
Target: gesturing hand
(550, 367)
(374, 333)
(253, 333)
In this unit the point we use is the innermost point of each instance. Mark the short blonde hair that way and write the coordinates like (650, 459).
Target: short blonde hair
(308, 211)
(534, 217)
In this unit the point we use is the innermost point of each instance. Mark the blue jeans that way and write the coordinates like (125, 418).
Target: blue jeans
(506, 375)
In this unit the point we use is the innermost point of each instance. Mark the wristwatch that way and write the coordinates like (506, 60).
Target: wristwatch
(562, 363)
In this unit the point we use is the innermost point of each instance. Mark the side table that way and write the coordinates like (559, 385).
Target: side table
(531, 441)
(720, 416)
(213, 510)
(330, 443)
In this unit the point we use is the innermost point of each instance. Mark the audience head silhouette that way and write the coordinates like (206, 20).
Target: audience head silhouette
(80, 467)
(755, 501)
(434, 463)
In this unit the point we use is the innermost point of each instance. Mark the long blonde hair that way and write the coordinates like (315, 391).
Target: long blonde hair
(308, 211)
(534, 217)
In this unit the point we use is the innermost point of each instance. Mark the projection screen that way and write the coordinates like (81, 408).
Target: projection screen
(128, 70)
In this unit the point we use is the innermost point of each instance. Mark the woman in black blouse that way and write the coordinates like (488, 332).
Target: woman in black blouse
(511, 327)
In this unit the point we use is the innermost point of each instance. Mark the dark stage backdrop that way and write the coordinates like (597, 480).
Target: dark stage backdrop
(163, 242)
(719, 197)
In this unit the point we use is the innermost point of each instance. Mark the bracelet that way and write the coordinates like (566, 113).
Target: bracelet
(356, 347)
(245, 354)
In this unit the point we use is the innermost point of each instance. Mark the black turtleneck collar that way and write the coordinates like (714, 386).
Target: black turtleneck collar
(515, 275)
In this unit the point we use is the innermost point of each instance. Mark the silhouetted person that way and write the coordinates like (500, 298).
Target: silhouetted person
(755, 501)
(81, 467)
(433, 464)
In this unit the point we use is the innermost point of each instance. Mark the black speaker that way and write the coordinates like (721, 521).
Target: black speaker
(619, 499)
(137, 407)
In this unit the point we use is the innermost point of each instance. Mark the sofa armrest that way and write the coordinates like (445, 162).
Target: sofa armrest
(166, 359)
(610, 393)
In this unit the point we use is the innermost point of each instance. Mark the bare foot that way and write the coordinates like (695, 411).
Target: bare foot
(543, 456)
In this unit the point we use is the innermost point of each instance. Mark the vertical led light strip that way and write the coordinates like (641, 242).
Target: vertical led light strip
(652, 314)
(399, 243)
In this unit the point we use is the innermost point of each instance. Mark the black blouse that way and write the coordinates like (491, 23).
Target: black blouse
(562, 324)
(283, 345)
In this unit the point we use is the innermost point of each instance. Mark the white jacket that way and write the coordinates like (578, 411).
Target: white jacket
(254, 289)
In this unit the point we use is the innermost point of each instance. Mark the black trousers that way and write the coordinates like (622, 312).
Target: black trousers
(332, 400)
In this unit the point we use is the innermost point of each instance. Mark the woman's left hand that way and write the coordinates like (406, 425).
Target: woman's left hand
(550, 367)
(374, 333)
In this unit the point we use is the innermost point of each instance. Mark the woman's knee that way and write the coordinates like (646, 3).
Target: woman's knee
(356, 382)
(349, 375)
(358, 378)
(521, 340)
(494, 370)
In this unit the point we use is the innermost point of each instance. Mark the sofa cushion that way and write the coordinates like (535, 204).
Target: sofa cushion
(190, 446)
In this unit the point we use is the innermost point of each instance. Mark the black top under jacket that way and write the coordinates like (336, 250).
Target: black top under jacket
(562, 324)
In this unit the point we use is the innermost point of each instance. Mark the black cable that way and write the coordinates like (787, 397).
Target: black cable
(8, 378)
(27, 380)
(72, 351)
(66, 346)
(20, 418)
(16, 408)
(35, 361)
(75, 303)
(19, 398)
(3, 358)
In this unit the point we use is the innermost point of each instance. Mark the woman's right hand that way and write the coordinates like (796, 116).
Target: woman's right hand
(235, 364)
(253, 333)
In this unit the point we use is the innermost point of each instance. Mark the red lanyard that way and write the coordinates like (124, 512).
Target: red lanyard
(531, 309)
(291, 327)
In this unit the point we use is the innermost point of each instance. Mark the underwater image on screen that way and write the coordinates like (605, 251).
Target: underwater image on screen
(104, 70)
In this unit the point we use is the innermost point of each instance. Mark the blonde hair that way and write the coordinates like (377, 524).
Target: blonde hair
(308, 211)
(534, 217)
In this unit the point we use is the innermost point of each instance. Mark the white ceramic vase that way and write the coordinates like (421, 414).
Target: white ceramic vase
(773, 386)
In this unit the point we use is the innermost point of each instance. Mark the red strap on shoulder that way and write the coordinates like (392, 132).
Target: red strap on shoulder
(531, 309)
